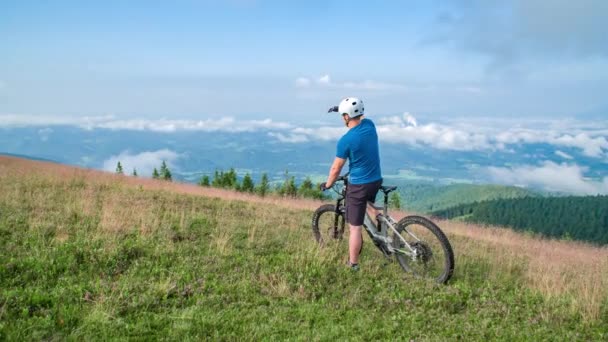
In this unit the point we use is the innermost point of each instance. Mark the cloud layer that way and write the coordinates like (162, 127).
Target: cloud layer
(226, 124)
(550, 176)
(463, 136)
(479, 135)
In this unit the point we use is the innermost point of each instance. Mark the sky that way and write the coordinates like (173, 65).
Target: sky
(288, 61)
(459, 75)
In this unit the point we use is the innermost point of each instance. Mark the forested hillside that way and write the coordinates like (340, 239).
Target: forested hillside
(581, 218)
(428, 197)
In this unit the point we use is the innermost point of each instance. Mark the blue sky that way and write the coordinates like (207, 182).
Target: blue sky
(290, 60)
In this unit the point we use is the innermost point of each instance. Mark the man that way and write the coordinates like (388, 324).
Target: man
(360, 146)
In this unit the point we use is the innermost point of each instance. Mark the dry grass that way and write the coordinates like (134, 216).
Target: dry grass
(275, 285)
(565, 269)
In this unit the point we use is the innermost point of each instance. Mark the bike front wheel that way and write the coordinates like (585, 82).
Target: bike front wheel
(328, 224)
(429, 255)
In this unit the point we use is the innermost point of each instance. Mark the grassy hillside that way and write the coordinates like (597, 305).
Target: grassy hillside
(427, 197)
(85, 255)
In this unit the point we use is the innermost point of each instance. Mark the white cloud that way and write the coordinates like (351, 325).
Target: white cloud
(306, 134)
(144, 162)
(303, 82)
(459, 135)
(591, 144)
(563, 154)
(322, 133)
(410, 119)
(209, 125)
(324, 80)
(550, 176)
(289, 138)
(481, 135)
(226, 124)
(405, 129)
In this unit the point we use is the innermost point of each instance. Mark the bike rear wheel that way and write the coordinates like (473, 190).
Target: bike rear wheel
(328, 225)
(433, 257)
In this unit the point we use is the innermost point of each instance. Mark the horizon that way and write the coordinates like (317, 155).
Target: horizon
(549, 155)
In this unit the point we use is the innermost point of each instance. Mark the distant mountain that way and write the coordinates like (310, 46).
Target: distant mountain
(428, 197)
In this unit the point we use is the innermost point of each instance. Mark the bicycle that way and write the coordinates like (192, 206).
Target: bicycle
(418, 244)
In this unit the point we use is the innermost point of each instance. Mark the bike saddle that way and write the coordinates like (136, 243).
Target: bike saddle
(387, 189)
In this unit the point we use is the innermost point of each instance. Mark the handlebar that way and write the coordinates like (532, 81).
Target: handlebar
(343, 178)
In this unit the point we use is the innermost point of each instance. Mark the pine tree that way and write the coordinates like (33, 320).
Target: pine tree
(155, 174)
(230, 180)
(263, 188)
(119, 169)
(163, 169)
(308, 190)
(292, 189)
(217, 179)
(204, 181)
(306, 185)
(134, 172)
(395, 200)
(165, 173)
(289, 186)
(247, 185)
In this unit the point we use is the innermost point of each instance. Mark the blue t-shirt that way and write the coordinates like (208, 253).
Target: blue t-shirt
(360, 146)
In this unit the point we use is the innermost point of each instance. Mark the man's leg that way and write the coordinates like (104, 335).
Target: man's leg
(354, 244)
(372, 212)
(355, 240)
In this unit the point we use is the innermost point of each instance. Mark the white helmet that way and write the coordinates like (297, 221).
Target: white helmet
(351, 106)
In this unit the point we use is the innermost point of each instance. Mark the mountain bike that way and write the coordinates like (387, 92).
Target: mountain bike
(418, 244)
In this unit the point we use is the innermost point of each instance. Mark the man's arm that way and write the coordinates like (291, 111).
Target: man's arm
(334, 172)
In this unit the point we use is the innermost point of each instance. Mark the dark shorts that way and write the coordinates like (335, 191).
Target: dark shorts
(357, 196)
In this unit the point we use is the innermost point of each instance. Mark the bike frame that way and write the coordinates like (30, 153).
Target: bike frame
(384, 220)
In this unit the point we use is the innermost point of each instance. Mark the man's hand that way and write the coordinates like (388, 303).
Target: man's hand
(323, 186)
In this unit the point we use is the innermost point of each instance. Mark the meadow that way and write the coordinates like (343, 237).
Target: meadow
(87, 255)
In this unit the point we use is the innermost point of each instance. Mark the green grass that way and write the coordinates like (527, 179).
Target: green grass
(96, 261)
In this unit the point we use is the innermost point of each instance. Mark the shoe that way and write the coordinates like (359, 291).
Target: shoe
(353, 267)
